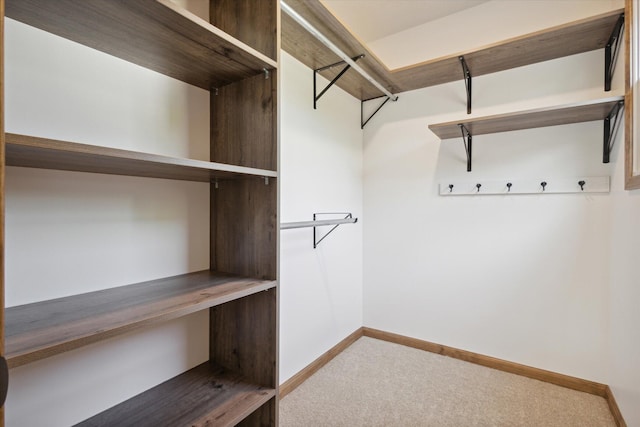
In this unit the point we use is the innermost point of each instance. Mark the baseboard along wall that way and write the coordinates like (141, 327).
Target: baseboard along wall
(562, 380)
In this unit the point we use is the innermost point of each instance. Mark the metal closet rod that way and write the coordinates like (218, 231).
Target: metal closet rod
(317, 34)
(305, 224)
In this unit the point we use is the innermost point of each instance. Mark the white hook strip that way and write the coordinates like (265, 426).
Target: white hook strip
(528, 186)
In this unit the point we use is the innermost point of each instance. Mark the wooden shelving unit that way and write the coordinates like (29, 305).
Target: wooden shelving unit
(542, 117)
(235, 56)
(568, 39)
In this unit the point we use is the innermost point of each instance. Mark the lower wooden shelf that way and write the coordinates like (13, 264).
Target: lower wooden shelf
(43, 329)
(205, 395)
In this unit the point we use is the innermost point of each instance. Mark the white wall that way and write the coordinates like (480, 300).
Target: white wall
(70, 232)
(522, 278)
(321, 171)
(624, 293)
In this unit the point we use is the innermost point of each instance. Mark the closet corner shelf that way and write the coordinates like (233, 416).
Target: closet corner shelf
(44, 153)
(575, 37)
(40, 330)
(205, 395)
(542, 117)
(155, 34)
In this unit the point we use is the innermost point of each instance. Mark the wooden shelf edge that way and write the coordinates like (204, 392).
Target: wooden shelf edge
(595, 18)
(155, 34)
(576, 112)
(169, 4)
(205, 395)
(45, 153)
(43, 329)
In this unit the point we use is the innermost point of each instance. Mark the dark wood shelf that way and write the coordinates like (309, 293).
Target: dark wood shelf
(43, 329)
(555, 42)
(155, 34)
(541, 117)
(204, 395)
(34, 152)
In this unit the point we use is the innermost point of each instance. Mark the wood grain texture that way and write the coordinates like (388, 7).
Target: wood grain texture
(244, 228)
(243, 123)
(555, 42)
(43, 329)
(155, 34)
(250, 21)
(295, 381)
(492, 362)
(44, 153)
(2, 195)
(632, 182)
(266, 415)
(541, 117)
(244, 337)
(613, 407)
(206, 395)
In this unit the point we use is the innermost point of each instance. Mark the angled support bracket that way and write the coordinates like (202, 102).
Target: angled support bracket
(317, 96)
(363, 122)
(466, 138)
(611, 125)
(611, 52)
(467, 81)
(348, 217)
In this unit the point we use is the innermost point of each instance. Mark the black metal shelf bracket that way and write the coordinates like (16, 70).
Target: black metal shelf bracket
(611, 125)
(467, 81)
(363, 122)
(317, 96)
(466, 138)
(611, 52)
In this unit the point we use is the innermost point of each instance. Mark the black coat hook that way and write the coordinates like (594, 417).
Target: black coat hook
(544, 185)
(509, 187)
(450, 188)
(581, 184)
(478, 187)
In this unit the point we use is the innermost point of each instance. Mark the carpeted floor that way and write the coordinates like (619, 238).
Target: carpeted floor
(376, 383)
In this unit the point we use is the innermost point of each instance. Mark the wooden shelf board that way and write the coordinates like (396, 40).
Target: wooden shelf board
(568, 39)
(204, 395)
(155, 34)
(43, 329)
(556, 42)
(541, 117)
(44, 153)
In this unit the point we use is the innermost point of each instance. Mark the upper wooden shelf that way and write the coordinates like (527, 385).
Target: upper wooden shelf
(204, 395)
(568, 39)
(556, 42)
(43, 329)
(542, 117)
(155, 34)
(30, 151)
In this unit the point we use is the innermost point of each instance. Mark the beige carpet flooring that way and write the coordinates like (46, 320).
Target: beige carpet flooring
(376, 383)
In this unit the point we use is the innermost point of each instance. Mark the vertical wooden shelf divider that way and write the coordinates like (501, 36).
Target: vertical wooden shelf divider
(236, 57)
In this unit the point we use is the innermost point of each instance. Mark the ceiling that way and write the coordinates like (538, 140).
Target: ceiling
(371, 20)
